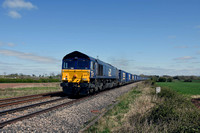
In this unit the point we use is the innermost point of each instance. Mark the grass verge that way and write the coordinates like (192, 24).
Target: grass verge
(114, 119)
(16, 92)
(144, 111)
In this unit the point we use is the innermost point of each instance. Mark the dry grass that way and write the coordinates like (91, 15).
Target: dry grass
(137, 101)
(142, 104)
(16, 92)
(195, 96)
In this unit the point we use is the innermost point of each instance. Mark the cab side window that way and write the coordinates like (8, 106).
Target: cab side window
(92, 65)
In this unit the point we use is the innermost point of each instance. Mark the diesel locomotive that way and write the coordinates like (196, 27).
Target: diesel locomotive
(84, 75)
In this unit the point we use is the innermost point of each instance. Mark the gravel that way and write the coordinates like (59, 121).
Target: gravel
(69, 118)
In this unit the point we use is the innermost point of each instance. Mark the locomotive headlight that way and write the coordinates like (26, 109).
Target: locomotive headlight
(84, 79)
(65, 78)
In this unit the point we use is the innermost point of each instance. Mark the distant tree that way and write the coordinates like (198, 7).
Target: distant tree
(166, 76)
(188, 80)
(154, 78)
(52, 74)
(162, 79)
(176, 77)
(169, 80)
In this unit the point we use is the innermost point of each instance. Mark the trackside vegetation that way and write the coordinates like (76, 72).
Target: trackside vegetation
(112, 118)
(141, 110)
(174, 114)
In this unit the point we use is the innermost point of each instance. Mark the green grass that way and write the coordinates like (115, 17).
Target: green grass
(16, 92)
(197, 81)
(113, 118)
(188, 88)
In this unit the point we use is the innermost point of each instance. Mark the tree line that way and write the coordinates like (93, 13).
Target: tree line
(22, 78)
(166, 78)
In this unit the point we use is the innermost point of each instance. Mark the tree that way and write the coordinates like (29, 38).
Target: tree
(162, 79)
(169, 80)
(188, 80)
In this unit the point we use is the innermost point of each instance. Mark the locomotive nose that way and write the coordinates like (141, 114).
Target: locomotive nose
(75, 76)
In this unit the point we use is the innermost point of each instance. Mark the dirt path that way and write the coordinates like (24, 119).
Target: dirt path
(21, 85)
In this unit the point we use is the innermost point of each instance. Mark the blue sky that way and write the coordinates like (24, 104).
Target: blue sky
(139, 36)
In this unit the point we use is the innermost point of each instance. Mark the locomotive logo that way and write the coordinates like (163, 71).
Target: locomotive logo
(124, 76)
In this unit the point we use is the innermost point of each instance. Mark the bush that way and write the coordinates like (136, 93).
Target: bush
(188, 80)
(174, 114)
(162, 79)
(169, 80)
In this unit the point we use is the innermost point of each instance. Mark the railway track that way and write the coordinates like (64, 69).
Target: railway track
(24, 99)
(30, 115)
(3, 124)
(5, 112)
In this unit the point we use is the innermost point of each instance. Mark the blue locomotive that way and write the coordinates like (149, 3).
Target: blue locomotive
(83, 75)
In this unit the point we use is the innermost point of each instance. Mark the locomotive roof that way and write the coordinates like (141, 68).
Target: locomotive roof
(82, 55)
(77, 54)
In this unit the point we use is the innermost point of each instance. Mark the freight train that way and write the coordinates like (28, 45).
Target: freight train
(84, 75)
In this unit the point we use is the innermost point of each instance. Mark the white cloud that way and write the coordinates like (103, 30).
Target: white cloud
(14, 14)
(184, 58)
(7, 44)
(166, 71)
(198, 52)
(28, 56)
(14, 6)
(18, 4)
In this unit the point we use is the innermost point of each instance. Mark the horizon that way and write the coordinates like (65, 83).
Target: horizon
(140, 37)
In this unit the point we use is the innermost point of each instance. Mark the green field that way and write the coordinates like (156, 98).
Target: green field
(188, 88)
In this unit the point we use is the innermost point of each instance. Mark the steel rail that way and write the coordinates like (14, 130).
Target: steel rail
(5, 112)
(23, 101)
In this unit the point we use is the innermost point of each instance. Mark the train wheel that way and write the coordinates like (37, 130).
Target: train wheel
(91, 91)
(96, 89)
(100, 88)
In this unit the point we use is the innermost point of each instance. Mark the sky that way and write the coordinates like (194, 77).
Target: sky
(151, 37)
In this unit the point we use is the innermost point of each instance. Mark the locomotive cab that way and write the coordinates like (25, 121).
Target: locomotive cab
(75, 73)
(76, 70)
